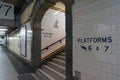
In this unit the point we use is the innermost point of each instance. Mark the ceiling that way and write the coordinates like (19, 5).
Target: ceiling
(18, 5)
(60, 6)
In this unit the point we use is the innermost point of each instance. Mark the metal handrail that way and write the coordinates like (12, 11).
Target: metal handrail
(46, 48)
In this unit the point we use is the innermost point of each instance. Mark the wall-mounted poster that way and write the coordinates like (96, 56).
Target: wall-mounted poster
(23, 40)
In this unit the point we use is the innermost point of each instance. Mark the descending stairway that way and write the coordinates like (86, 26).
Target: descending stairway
(53, 70)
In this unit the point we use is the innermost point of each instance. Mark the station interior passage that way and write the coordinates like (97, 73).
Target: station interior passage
(60, 40)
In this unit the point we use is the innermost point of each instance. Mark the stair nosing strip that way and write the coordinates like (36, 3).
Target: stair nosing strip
(57, 65)
(60, 56)
(54, 71)
(63, 53)
(59, 60)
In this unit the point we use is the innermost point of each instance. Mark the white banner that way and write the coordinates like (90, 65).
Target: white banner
(6, 11)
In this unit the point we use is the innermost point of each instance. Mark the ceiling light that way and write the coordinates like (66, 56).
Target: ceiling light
(3, 29)
(29, 31)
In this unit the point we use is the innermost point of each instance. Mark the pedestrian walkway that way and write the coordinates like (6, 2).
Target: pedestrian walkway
(11, 66)
(7, 70)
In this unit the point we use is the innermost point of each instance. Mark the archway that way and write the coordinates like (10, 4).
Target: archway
(35, 60)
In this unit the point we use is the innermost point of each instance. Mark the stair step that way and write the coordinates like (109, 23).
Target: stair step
(63, 54)
(43, 75)
(35, 76)
(57, 67)
(53, 73)
(59, 62)
(61, 57)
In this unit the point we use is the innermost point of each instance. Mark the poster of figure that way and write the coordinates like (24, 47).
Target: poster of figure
(23, 41)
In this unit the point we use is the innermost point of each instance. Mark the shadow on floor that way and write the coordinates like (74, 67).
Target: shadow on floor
(26, 77)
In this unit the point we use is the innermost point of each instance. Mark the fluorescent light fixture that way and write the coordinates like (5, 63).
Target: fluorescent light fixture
(29, 31)
(3, 29)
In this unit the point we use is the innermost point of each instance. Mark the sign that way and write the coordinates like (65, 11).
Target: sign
(6, 11)
(94, 40)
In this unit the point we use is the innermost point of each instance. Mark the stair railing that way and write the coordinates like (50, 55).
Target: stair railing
(46, 48)
(52, 53)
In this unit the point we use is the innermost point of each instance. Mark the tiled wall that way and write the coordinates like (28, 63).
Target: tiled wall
(97, 18)
(25, 16)
(53, 29)
(14, 42)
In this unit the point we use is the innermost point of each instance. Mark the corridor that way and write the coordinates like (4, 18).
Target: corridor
(59, 40)
(11, 67)
(7, 70)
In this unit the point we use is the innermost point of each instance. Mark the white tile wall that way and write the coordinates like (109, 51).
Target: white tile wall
(48, 23)
(93, 18)
(14, 42)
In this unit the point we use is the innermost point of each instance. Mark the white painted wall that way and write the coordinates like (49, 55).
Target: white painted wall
(97, 18)
(14, 42)
(53, 29)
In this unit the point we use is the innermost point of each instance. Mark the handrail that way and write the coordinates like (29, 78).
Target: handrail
(52, 44)
(52, 54)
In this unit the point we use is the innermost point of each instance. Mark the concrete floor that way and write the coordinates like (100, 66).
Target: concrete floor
(7, 70)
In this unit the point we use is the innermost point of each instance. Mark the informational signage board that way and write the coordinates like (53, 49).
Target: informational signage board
(6, 11)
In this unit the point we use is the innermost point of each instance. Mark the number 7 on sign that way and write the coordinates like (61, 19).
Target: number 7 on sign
(9, 7)
(106, 48)
(1, 5)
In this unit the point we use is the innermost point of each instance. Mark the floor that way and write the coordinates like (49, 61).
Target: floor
(7, 70)
(10, 66)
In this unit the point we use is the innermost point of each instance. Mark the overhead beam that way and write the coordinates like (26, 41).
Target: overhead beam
(10, 23)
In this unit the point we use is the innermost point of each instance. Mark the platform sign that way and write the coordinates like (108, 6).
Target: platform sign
(6, 11)
(100, 43)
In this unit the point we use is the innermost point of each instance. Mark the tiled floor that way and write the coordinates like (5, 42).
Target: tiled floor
(7, 71)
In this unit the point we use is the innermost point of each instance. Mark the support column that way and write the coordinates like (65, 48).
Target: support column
(69, 35)
(36, 40)
(36, 48)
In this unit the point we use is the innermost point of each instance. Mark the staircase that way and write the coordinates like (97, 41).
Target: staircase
(53, 70)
